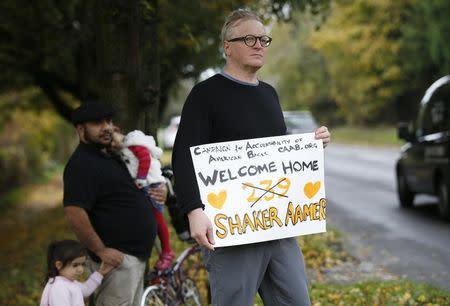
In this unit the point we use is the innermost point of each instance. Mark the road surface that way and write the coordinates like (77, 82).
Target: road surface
(362, 203)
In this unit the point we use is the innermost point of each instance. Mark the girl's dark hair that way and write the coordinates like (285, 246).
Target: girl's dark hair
(64, 251)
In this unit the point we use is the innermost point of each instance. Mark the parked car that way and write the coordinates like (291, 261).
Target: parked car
(169, 132)
(299, 122)
(423, 167)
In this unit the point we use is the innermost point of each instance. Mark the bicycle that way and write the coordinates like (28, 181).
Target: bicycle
(177, 285)
(186, 282)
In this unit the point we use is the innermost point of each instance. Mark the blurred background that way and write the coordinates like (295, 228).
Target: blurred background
(358, 67)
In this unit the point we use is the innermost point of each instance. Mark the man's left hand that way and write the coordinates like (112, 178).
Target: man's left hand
(323, 133)
(159, 193)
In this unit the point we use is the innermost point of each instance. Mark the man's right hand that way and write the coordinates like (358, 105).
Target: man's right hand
(111, 256)
(201, 228)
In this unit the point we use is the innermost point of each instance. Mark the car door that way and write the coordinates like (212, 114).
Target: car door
(430, 149)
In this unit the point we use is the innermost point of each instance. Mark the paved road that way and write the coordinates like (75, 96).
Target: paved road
(360, 187)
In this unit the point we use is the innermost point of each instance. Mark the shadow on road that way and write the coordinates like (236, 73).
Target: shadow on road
(427, 210)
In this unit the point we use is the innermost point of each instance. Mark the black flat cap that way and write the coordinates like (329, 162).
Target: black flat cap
(91, 111)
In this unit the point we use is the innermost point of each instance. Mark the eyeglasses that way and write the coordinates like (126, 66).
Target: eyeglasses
(250, 40)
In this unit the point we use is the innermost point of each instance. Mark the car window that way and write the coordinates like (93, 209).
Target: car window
(436, 114)
(299, 122)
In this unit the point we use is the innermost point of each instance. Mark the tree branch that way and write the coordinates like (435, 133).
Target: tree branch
(55, 98)
(51, 78)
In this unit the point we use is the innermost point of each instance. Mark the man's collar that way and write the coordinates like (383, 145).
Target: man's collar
(94, 148)
(230, 77)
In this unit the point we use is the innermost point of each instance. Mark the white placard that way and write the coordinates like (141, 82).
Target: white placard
(262, 189)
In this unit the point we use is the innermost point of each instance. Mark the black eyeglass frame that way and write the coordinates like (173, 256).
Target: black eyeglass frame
(256, 38)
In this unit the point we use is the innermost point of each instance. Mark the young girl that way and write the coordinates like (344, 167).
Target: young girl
(66, 260)
(141, 156)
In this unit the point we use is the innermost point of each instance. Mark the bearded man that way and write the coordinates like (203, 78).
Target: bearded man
(108, 213)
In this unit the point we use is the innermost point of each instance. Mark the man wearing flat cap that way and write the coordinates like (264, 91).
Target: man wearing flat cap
(105, 209)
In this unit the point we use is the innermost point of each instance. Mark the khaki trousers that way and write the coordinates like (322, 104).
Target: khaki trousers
(123, 286)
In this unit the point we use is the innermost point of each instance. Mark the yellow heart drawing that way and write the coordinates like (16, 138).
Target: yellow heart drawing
(217, 200)
(311, 189)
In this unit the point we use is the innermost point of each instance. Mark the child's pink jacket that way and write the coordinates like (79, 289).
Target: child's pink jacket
(61, 291)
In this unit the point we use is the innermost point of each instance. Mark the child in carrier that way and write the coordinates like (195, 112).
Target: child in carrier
(66, 260)
(141, 156)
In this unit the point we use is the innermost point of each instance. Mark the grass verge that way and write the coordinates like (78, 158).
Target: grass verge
(384, 136)
(370, 293)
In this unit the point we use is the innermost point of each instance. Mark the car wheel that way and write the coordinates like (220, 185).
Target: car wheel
(442, 193)
(405, 195)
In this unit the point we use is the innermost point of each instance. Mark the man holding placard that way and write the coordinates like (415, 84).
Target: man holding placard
(234, 106)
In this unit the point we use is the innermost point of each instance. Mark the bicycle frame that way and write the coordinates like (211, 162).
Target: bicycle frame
(177, 286)
(189, 251)
(173, 287)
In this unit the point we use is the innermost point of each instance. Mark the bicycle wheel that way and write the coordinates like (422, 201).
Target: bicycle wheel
(189, 293)
(191, 268)
(156, 295)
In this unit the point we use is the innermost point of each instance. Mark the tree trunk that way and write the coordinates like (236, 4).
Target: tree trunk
(152, 87)
(84, 56)
(118, 28)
